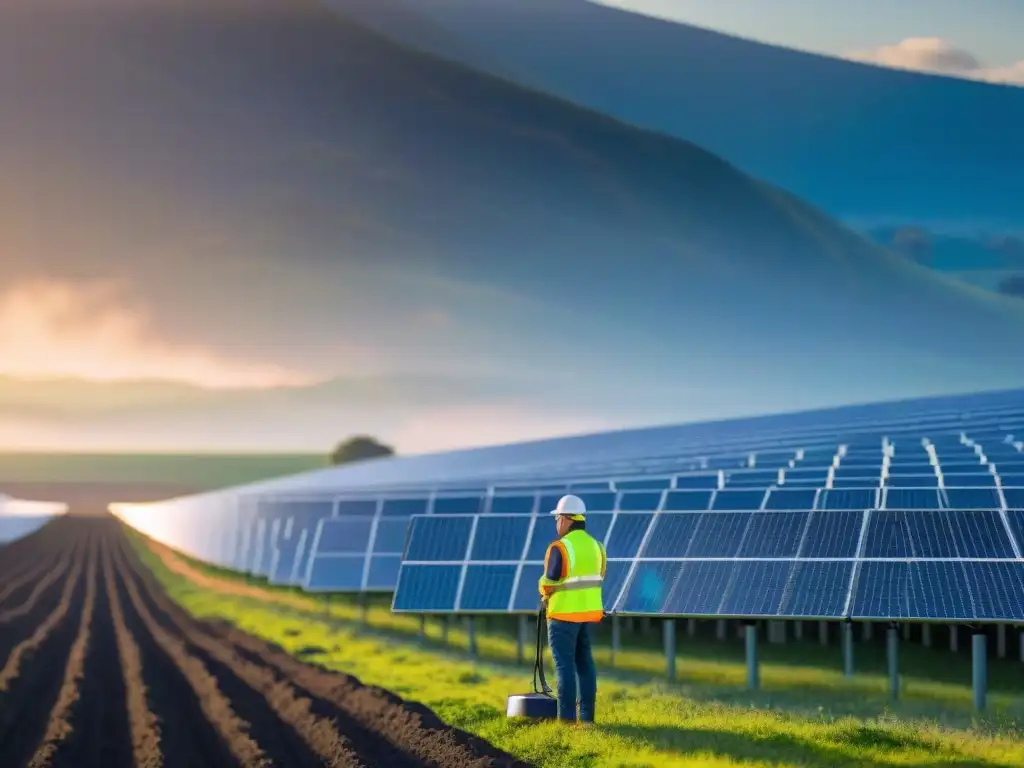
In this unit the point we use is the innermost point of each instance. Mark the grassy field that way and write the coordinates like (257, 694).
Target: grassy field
(806, 714)
(195, 471)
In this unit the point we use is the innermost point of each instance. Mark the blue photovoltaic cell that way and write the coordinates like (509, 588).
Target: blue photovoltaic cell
(773, 534)
(757, 588)
(718, 534)
(937, 591)
(913, 481)
(426, 588)
(680, 501)
(404, 507)
(458, 505)
(383, 573)
(817, 589)
(644, 484)
(597, 525)
(438, 538)
(651, 586)
(847, 498)
(791, 498)
(1011, 480)
(599, 502)
(487, 588)
(589, 487)
(391, 534)
(527, 596)
(912, 498)
(880, 591)
(856, 483)
(888, 535)
(977, 480)
(543, 534)
(738, 500)
(614, 578)
(357, 507)
(1015, 517)
(996, 590)
(980, 533)
(350, 535)
(638, 501)
(671, 534)
(500, 538)
(285, 561)
(337, 574)
(699, 588)
(931, 533)
(707, 482)
(1014, 497)
(972, 498)
(512, 505)
(832, 534)
(625, 537)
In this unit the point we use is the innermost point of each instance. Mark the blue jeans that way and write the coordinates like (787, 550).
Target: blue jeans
(570, 646)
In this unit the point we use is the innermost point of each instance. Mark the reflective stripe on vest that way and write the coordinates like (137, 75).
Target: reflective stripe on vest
(578, 597)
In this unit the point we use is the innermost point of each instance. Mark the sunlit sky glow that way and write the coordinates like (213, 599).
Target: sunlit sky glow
(978, 39)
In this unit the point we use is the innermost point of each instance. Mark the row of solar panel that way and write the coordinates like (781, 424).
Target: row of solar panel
(844, 534)
(646, 501)
(823, 589)
(344, 554)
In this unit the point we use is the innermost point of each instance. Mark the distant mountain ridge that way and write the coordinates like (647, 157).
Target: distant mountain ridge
(855, 139)
(661, 279)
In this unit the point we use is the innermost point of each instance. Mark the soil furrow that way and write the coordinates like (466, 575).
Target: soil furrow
(31, 681)
(287, 730)
(60, 726)
(28, 572)
(214, 703)
(384, 729)
(33, 598)
(144, 728)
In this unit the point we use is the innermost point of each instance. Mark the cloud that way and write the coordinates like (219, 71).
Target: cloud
(93, 332)
(933, 54)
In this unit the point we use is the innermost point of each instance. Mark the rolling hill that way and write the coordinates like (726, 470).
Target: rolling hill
(861, 141)
(649, 270)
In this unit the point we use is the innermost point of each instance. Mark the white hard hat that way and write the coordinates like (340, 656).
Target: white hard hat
(571, 506)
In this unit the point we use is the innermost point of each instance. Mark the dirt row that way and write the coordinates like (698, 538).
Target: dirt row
(100, 669)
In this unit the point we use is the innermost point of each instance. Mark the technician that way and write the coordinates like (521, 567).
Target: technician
(574, 569)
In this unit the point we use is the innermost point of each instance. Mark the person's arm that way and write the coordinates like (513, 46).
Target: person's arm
(555, 566)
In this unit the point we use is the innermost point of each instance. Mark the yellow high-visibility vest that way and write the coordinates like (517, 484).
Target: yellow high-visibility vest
(577, 597)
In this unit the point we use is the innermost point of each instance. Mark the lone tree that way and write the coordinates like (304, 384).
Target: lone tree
(360, 448)
(1013, 286)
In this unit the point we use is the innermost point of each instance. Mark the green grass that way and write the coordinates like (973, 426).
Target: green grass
(196, 471)
(806, 713)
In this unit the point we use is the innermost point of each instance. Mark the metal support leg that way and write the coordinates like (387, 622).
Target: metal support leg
(522, 637)
(868, 629)
(823, 632)
(847, 629)
(616, 637)
(954, 638)
(979, 663)
(753, 673)
(798, 631)
(445, 621)
(669, 632)
(1001, 641)
(893, 642)
(720, 629)
(423, 627)
(926, 635)
(1022, 645)
(691, 627)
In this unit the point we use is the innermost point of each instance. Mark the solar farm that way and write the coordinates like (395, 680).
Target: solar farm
(893, 513)
(855, 530)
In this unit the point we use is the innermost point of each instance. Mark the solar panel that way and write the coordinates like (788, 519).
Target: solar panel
(814, 505)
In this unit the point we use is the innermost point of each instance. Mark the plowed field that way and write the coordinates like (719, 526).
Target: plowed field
(100, 669)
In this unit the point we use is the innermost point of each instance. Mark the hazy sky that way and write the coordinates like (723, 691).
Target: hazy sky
(971, 38)
(238, 225)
